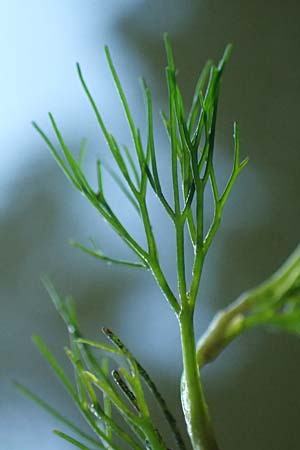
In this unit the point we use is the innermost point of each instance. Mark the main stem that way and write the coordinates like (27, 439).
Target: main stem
(193, 402)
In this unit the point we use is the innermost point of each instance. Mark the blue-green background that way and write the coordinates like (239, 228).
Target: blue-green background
(253, 389)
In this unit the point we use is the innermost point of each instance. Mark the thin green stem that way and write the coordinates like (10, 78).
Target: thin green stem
(121, 231)
(171, 82)
(196, 275)
(156, 181)
(152, 249)
(164, 286)
(198, 248)
(214, 226)
(137, 143)
(179, 228)
(193, 402)
(110, 426)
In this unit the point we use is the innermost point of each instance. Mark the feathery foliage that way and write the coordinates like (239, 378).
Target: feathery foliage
(101, 390)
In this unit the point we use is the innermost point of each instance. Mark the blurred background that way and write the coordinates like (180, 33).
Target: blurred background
(253, 389)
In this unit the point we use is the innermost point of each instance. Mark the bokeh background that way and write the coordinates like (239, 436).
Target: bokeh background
(253, 389)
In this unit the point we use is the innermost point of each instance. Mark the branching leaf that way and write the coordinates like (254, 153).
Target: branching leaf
(192, 140)
(57, 157)
(151, 385)
(98, 254)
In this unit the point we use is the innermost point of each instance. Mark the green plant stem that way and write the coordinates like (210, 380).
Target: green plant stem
(152, 250)
(164, 286)
(179, 225)
(196, 274)
(193, 402)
